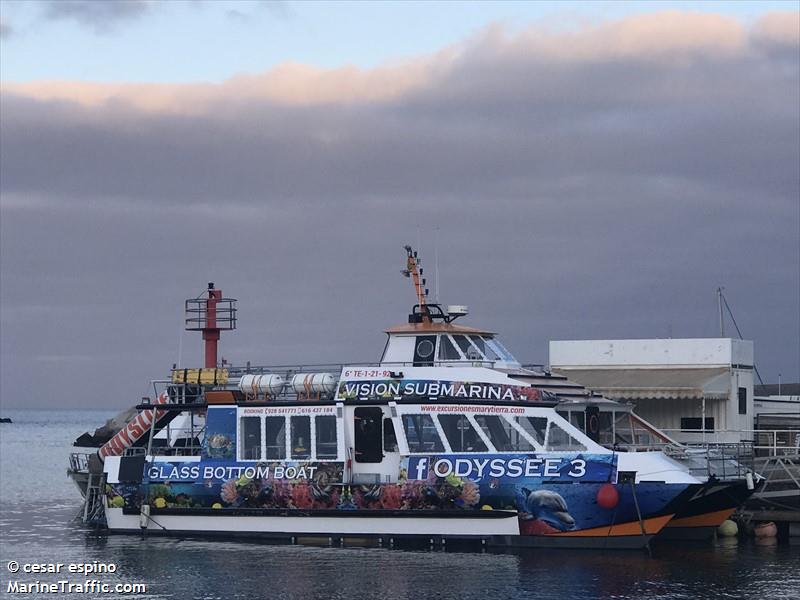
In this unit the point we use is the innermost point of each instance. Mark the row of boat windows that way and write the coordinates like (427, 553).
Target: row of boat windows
(423, 437)
(316, 437)
(282, 438)
(471, 347)
(616, 427)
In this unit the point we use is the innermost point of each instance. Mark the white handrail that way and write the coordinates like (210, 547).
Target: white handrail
(777, 438)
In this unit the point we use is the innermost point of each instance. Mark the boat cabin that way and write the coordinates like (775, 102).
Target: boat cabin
(431, 339)
(372, 444)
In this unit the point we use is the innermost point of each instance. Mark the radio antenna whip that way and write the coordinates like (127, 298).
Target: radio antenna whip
(436, 260)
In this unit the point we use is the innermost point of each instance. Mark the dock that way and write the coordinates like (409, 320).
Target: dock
(778, 499)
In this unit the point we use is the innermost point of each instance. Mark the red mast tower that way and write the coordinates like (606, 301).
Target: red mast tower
(211, 314)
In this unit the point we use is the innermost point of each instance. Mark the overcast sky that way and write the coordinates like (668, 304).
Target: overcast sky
(586, 172)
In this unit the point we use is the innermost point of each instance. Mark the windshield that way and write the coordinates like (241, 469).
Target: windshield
(472, 348)
(499, 349)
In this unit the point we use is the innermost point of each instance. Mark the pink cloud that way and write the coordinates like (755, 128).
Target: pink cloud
(779, 28)
(661, 37)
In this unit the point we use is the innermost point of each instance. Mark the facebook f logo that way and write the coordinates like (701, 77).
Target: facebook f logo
(418, 467)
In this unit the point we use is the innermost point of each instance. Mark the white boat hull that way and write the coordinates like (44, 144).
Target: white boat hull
(347, 524)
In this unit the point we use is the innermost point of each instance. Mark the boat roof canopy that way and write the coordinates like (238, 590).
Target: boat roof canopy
(436, 327)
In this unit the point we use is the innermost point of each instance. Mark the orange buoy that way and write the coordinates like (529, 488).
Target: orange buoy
(607, 496)
(765, 530)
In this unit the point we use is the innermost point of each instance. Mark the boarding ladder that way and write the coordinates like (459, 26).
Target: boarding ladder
(93, 508)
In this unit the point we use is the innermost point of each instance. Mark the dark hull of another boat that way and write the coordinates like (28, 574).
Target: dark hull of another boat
(707, 510)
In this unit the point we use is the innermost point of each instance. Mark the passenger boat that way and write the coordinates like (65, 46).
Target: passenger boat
(446, 437)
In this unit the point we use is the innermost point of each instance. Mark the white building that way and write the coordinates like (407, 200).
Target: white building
(676, 384)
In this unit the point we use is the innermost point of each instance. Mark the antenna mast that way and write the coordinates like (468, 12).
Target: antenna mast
(723, 302)
(414, 271)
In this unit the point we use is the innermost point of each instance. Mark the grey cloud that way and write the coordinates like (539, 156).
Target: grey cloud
(101, 16)
(5, 29)
(586, 199)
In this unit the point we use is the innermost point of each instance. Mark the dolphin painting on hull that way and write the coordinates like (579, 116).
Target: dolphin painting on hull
(542, 512)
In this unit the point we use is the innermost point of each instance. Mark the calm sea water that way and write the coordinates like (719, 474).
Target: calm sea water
(38, 505)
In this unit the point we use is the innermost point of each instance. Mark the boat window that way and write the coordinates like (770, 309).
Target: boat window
(606, 436)
(499, 349)
(503, 436)
(477, 342)
(468, 349)
(578, 419)
(301, 437)
(251, 438)
(447, 351)
(421, 434)
(327, 446)
(424, 347)
(536, 427)
(644, 436)
(389, 436)
(558, 439)
(623, 433)
(591, 422)
(276, 438)
(487, 351)
(461, 434)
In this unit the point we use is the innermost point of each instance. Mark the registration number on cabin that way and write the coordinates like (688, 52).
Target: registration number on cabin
(366, 373)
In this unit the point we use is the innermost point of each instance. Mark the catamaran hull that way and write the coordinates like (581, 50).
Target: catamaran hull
(523, 509)
(81, 481)
(699, 518)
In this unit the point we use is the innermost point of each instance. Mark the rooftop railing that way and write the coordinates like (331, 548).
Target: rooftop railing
(238, 371)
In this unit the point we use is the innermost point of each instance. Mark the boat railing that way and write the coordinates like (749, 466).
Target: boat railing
(765, 442)
(134, 451)
(192, 393)
(177, 441)
(289, 391)
(336, 368)
(248, 369)
(79, 462)
(181, 441)
(188, 450)
(721, 460)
